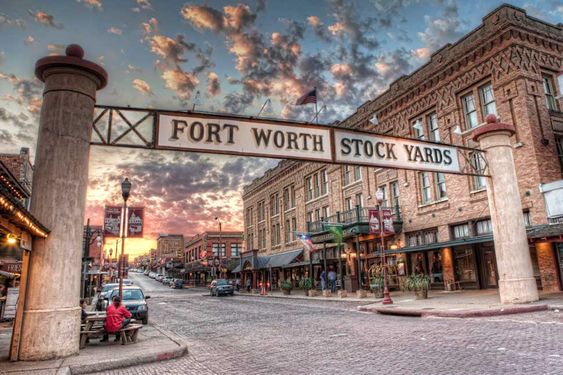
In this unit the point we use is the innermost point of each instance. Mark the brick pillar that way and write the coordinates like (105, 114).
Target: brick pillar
(547, 263)
(51, 321)
(516, 278)
(448, 272)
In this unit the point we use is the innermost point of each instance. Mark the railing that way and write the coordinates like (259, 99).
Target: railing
(353, 216)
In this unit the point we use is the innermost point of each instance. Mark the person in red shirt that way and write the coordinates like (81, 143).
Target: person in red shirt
(117, 317)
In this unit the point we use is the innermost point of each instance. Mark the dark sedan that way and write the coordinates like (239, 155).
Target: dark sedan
(221, 287)
(135, 301)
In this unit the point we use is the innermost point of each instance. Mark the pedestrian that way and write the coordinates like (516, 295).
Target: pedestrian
(248, 285)
(117, 317)
(323, 280)
(83, 313)
(332, 280)
(237, 283)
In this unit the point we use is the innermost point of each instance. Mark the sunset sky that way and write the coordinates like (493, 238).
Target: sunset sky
(236, 54)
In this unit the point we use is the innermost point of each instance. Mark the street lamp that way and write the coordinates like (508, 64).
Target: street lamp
(386, 297)
(125, 190)
(220, 244)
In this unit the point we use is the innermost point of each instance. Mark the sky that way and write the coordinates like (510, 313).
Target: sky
(236, 54)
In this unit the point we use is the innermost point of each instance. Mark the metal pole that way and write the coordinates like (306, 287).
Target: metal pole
(220, 250)
(84, 259)
(386, 297)
(123, 229)
(359, 263)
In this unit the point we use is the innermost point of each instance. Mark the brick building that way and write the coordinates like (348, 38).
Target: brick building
(21, 168)
(509, 66)
(212, 253)
(169, 251)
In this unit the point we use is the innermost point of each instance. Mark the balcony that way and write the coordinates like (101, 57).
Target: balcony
(354, 221)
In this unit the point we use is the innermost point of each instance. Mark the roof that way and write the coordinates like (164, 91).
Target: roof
(546, 231)
(272, 261)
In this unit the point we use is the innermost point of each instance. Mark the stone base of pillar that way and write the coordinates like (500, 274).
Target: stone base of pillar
(63, 328)
(361, 293)
(518, 290)
(342, 294)
(327, 293)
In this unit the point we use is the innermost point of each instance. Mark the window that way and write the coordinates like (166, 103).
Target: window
(289, 197)
(324, 183)
(274, 204)
(310, 216)
(249, 215)
(347, 179)
(527, 219)
(287, 231)
(261, 211)
(559, 144)
(318, 214)
(357, 173)
(549, 90)
(293, 227)
(441, 186)
(309, 187)
(418, 128)
(385, 201)
(478, 165)
(426, 237)
(326, 212)
(465, 265)
(469, 111)
(275, 237)
(425, 187)
(488, 100)
(434, 132)
(236, 248)
(359, 200)
(250, 240)
(220, 252)
(395, 195)
(316, 184)
(348, 204)
(461, 231)
(484, 227)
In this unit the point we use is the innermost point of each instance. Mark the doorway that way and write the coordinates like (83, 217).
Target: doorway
(488, 272)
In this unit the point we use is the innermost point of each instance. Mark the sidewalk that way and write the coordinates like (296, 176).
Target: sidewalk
(300, 294)
(153, 345)
(460, 304)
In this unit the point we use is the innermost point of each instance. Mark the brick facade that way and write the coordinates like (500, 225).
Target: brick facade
(510, 53)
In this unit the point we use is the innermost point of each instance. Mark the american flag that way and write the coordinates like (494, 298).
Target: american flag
(310, 97)
(306, 241)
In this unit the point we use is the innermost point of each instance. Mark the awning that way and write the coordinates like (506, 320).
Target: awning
(283, 259)
(441, 245)
(9, 275)
(545, 231)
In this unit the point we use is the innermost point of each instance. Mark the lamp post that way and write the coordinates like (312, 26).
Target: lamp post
(386, 297)
(220, 244)
(125, 190)
(88, 240)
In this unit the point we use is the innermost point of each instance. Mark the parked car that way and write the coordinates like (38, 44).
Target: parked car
(159, 278)
(134, 300)
(178, 284)
(105, 290)
(220, 287)
(152, 275)
(147, 272)
(167, 280)
(127, 282)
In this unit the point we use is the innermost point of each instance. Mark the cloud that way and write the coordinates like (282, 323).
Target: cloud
(115, 30)
(318, 27)
(27, 93)
(150, 27)
(203, 17)
(7, 21)
(142, 5)
(29, 40)
(421, 53)
(442, 30)
(172, 50)
(45, 19)
(183, 83)
(56, 49)
(92, 4)
(213, 84)
(142, 87)
(133, 69)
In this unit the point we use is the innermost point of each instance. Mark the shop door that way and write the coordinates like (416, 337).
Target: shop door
(559, 248)
(488, 274)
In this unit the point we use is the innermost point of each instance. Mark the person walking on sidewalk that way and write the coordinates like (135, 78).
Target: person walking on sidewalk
(323, 280)
(117, 317)
(332, 280)
(248, 284)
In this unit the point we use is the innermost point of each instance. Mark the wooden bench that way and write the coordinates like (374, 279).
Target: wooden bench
(91, 333)
(129, 334)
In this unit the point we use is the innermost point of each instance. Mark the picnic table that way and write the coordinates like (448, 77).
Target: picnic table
(93, 327)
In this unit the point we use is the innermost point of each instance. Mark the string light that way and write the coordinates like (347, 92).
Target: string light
(22, 217)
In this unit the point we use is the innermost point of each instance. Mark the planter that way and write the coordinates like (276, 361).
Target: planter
(421, 293)
(342, 294)
(313, 293)
(361, 293)
(327, 293)
(286, 292)
(306, 291)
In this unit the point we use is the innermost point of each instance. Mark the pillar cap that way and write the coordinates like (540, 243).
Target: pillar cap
(74, 58)
(492, 125)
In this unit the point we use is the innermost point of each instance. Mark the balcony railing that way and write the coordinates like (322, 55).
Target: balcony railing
(354, 216)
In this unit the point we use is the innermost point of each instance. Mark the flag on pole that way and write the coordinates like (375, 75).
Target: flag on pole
(310, 97)
(307, 242)
(336, 230)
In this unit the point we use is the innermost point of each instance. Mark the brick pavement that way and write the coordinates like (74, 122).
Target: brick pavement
(248, 335)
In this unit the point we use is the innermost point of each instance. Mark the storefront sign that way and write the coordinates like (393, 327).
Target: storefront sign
(112, 221)
(135, 221)
(374, 221)
(213, 134)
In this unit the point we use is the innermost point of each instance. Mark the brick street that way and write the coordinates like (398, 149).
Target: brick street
(251, 335)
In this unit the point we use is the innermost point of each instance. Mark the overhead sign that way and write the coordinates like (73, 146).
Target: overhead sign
(374, 221)
(276, 139)
(135, 221)
(112, 221)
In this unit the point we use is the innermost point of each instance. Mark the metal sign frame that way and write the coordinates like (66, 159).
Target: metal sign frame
(141, 131)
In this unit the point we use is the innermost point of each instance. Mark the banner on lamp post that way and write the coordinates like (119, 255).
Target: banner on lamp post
(375, 225)
(135, 221)
(112, 221)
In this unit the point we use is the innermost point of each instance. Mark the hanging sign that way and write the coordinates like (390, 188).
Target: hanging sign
(135, 221)
(112, 221)
(375, 225)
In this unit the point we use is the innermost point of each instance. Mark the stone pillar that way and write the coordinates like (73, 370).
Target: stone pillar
(51, 322)
(547, 263)
(516, 278)
(448, 273)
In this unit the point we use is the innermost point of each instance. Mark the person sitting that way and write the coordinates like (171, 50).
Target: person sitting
(83, 313)
(117, 317)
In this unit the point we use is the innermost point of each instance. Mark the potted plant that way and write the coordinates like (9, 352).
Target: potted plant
(306, 284)
(419, 283)
(286, 287)
(376, 285)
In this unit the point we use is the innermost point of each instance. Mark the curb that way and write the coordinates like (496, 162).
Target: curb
(319, 298)
(455, 314)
